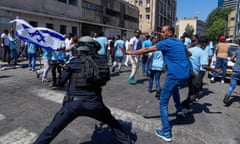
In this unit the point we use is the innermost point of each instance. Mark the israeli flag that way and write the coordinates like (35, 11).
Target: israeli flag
(43, 37)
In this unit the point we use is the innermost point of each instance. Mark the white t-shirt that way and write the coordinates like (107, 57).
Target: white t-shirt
(6, 40)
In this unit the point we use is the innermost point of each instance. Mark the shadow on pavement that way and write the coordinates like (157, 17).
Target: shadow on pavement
(199, 108)
(5, 76)
(233, 99)
(103, 134)
(189, 117)
(205, 92)
(142, 80)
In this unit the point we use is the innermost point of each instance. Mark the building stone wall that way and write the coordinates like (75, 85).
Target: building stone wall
(153, 14)
(81, 17)
(198, 26)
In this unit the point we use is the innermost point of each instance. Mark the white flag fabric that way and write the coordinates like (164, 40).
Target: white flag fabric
(43, 37)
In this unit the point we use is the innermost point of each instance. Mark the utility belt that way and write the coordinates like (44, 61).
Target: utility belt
(69, 98)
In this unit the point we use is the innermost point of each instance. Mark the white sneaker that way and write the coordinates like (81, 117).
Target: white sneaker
(212, 80)
(222, 81)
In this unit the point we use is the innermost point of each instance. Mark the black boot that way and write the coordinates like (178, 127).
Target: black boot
(226, 99)
(158, 94)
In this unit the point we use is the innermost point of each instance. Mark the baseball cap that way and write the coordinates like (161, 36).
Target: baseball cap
(222, 38)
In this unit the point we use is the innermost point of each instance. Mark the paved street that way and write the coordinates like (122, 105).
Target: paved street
(27, 106)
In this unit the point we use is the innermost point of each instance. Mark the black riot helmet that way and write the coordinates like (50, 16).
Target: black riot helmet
(86, 44)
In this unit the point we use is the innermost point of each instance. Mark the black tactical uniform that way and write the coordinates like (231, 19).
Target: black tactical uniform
(84, 90)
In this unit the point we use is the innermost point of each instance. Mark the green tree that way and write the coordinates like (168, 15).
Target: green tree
(217, 28)
(216, 23)
(189, 30)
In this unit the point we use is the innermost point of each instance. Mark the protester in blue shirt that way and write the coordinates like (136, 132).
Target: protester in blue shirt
(13, 49)
(56, 61)
(32, 55)
(175, 56)
(198, 61)
(103, 41)
(234, 78)
(118, 55)
(156, 67)
(46, 57)
(146, 43)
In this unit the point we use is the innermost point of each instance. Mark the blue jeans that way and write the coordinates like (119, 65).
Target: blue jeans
(233, 83)
(221, 63)
(154, 74)
(170, 87)
(144, 64)
(32, 60)
(14, 56)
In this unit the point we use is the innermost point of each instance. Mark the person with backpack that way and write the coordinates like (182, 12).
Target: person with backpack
(86, 73)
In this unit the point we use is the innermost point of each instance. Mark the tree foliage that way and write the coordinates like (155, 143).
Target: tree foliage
(216, 23)
(189, 30)
(217, 28)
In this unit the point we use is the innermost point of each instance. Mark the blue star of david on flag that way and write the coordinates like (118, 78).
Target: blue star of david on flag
(42, 37)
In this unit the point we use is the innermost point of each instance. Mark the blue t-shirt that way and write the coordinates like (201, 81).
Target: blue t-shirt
(31, 48)
(156, 62)
(46, 53)
(12, 43)
(103, 42)
(175, 57)
(236, 66)
(146, 44)
(198, 58)
(117, 45)
(58, 55)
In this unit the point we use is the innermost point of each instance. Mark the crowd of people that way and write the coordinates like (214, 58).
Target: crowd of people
(185, 61)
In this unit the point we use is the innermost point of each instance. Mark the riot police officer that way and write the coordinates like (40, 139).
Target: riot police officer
(86, 73)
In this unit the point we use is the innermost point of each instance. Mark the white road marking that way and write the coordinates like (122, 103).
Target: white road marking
(2, 117)
(137, 121)
(18, 136)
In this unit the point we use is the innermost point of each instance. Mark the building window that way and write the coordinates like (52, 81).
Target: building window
(63, 29)
(91, 6)
(33, 23)
(140, 3)
(74, 31)
(140, 17)
(63, 1)
(49, 25)
(147, 10)
(147, 3)
(73, 2)
(147, 17)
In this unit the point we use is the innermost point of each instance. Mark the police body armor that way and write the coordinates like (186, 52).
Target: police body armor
(89, 70)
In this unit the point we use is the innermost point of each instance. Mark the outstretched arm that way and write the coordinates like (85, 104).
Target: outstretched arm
(140, 51)
(208, 68)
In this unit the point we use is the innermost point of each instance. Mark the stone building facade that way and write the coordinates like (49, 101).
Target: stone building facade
(80, 17)
(153, 14)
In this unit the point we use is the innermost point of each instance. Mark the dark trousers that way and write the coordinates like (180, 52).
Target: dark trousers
(6, 54)
(55, 65)
(202, 74)
(73, 109)
(194, 85)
